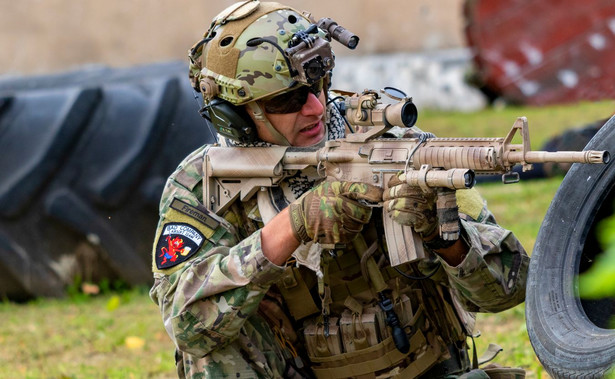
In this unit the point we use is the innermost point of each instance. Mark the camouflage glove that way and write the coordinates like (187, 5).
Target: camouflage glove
(410, 206)
(432, 214)
(331, 213)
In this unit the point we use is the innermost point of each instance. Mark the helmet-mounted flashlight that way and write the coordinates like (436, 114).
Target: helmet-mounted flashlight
(310, 55)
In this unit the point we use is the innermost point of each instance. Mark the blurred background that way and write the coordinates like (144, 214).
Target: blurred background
(515, 50)
(422, 41)
(96, 112)
(45, 36)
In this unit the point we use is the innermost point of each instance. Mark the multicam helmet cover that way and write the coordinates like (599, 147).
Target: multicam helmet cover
(241, 58)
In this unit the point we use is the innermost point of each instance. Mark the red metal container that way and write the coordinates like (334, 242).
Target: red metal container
(543, 52)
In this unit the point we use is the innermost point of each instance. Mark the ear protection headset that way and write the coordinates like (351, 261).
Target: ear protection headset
(229, 120)
(227, 80)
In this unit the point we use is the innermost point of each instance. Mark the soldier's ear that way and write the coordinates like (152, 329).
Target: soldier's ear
(230, 121)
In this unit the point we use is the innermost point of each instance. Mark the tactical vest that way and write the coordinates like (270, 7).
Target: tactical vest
(341, 308)
(337, 306)
(344, 326)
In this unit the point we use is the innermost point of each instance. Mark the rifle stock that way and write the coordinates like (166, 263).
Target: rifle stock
(233, 173)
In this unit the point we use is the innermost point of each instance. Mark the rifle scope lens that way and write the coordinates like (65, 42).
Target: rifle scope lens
(409, 114)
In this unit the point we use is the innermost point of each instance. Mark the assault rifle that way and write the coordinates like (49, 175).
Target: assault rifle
(430, 163)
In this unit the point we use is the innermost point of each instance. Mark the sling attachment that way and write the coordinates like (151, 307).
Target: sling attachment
(325, 323)
(365, 257)
(324, 292)
(381, 288)
(474, 354)
(399, 335)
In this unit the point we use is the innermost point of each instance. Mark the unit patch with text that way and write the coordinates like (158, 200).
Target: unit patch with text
(176, 244)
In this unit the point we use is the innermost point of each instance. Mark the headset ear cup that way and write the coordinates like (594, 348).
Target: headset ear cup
(231, 121)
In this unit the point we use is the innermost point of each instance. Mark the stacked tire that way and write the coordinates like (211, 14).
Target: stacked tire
(84, 156)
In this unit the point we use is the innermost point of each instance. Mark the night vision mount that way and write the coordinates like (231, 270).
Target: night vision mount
(308, 56)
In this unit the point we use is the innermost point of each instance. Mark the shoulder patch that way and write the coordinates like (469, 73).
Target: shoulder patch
(198, 213)
(177, 243)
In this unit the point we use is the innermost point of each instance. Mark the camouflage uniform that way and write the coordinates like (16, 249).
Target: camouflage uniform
(223, 309)
(233, 313)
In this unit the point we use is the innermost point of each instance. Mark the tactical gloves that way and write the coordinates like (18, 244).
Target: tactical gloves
(434, 215)
(333, 212)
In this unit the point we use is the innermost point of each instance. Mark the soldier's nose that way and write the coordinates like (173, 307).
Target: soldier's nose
(312, 106)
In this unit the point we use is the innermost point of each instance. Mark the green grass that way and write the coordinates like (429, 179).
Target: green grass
(120, 335)
(85, 338)
(521, 208)
(544, 122)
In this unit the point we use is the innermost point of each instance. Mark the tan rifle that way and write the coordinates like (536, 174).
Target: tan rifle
(430, 163)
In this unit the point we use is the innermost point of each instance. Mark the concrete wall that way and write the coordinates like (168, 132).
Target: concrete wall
(433, 79)
(41, 36)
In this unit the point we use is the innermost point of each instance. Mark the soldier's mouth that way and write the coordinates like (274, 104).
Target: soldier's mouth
(311, 128)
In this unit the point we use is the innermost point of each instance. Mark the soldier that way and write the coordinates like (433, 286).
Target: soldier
(251, 293)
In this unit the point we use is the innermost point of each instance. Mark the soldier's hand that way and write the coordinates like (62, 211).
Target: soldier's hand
(333, 212)
(410, 206)
(424, 212)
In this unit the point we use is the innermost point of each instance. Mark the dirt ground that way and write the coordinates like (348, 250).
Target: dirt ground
(41, 36)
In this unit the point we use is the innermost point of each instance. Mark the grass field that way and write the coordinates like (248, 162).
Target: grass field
(120, 335)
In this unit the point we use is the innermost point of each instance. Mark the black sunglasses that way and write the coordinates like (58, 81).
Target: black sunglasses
(291, 101)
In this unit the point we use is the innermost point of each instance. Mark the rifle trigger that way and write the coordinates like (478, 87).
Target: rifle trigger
(510, 177)
(321, 170)
(369, 204)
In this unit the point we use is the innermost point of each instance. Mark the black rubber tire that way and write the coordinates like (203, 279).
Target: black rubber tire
(572, 337)
(84, 158)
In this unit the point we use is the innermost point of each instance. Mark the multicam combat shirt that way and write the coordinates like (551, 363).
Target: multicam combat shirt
(212, 281)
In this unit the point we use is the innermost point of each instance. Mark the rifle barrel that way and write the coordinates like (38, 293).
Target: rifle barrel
(588, 156)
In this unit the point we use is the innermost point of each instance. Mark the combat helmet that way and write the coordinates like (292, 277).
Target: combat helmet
(255, 50)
